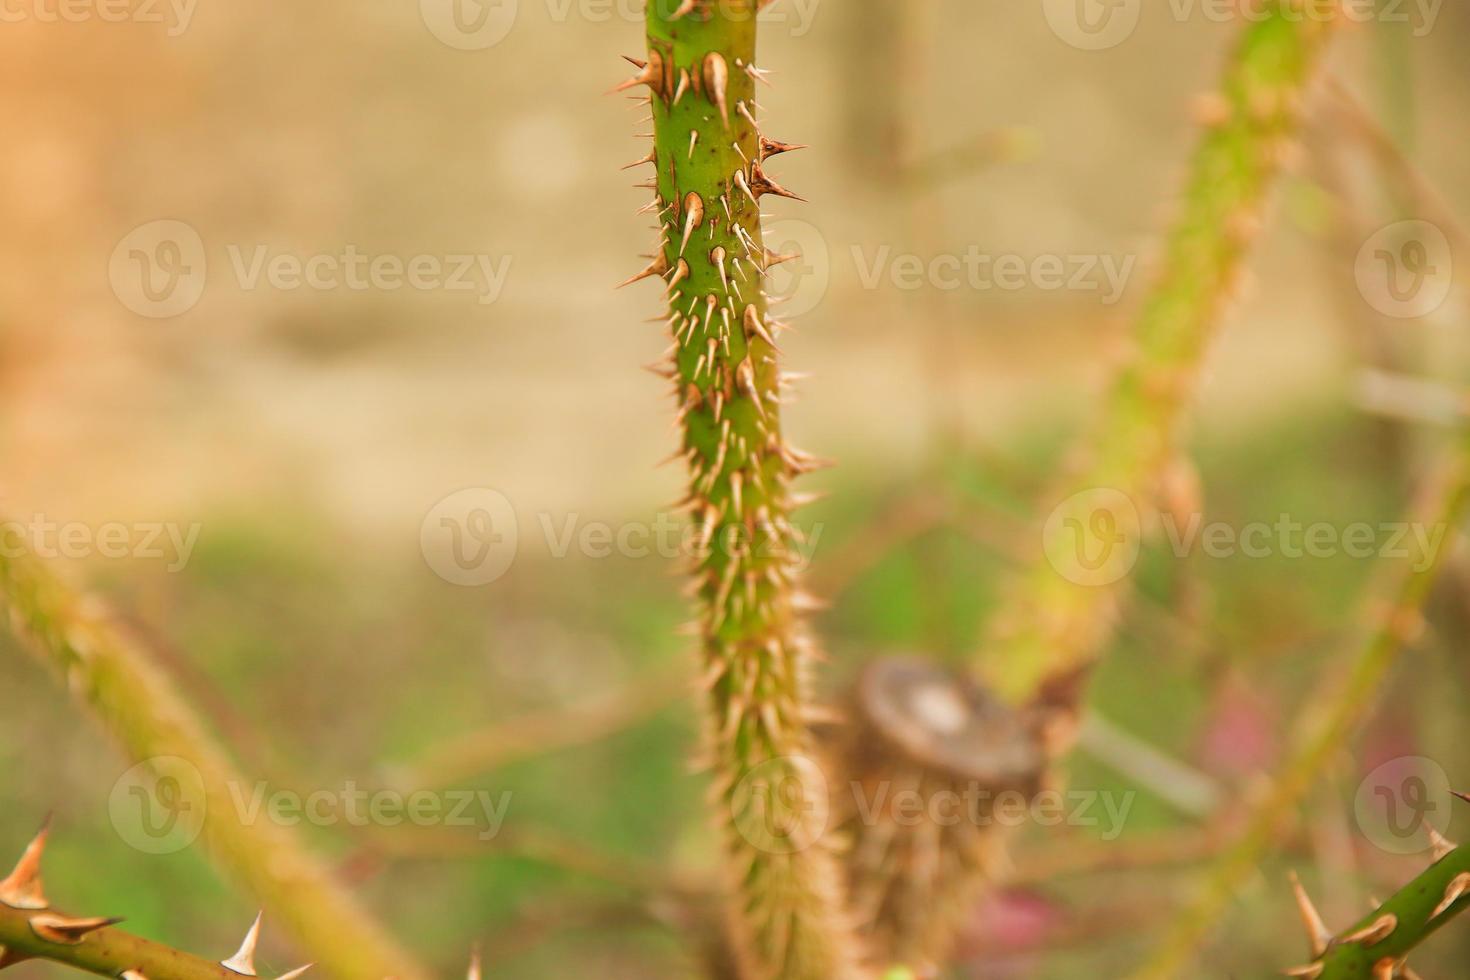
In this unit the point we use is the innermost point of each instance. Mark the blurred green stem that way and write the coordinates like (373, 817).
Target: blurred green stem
(1055, 621)
(105, 951)
(138, 704)
(1327, 720)
(1398, 926)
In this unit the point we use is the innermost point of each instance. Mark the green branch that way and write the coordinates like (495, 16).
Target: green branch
(1054, 624)
(31, 929)
(140, 706)
(1326, 722)
(710, 173)
(1378, 944)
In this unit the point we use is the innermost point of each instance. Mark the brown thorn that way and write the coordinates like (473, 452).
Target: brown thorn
(243, 962)
(1385, 968)
(652, 75)
(1318, 935)
(66, 931)
(762, 184)
(640, 161)
(296, 973)
(717, 83)
(1453, 892)
(681, 272)
(752, 322)
(1440, 846)
(658, 267)
(770, 147)
(1309, 972)
(693, 217)
(1374, 932)
(22, 888)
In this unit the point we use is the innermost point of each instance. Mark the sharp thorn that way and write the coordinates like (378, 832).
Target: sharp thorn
(1453, 893)
(1439, 846)
(1318, 935)
(22, 888)
(658, 267)
(65, 930)
(1374, 932)
(717, 83)
(243, 962)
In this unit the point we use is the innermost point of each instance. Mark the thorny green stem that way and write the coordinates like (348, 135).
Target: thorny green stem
(1054, 624)
(1377, 945)
(140, 706)
(1326, 722)
(710, 161)
(106, 951)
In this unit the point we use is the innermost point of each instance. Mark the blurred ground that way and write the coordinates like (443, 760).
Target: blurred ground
(309, 431)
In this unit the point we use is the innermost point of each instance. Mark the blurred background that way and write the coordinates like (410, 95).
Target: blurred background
(204, 334)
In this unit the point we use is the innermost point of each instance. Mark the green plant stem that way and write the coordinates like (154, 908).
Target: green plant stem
(1325, 723)
(710, 160)
(140, 706)
(107, 951)
(1054, 624)
(1415, 913)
